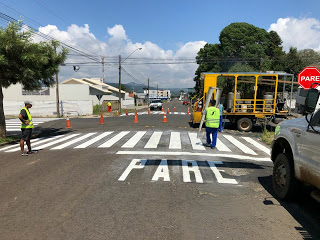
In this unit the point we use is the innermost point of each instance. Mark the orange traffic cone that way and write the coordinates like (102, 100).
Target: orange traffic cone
(168, 112)
(68, 123)
(162, 109)
(164, 118)
(136, 118)
(188, 111)
(149, 112)
(174, 109)
(126, 112)
(101, 119)
(117, 113)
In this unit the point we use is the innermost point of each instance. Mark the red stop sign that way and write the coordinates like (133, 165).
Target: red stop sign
(308, 76)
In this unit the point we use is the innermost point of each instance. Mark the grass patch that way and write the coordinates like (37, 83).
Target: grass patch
(96, 109)
(8, 139)
(267, 136)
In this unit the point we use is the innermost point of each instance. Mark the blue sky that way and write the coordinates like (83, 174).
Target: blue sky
(171, 26)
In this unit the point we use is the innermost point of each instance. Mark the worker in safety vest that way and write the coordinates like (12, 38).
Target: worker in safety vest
(212, 123)
(26, 128)
(109, 107)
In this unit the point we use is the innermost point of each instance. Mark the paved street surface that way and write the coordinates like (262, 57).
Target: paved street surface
(145, 180)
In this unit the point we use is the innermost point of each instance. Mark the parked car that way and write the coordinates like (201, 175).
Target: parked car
(157, 103)
(185, 102)
(295, 151)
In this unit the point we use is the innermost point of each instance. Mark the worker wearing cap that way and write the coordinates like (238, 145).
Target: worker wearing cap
(212, 123)
(26, 127)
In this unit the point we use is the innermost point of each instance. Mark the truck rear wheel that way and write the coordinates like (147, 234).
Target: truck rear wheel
(285, 185)
(244, 124)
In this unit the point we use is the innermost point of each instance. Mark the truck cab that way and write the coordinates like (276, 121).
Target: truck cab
(295, 150)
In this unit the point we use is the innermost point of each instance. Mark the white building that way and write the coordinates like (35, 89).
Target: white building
(158, 94)
(77, 97)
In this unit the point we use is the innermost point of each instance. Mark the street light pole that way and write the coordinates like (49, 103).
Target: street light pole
(148, 102)
(119, 84)
(120, 75)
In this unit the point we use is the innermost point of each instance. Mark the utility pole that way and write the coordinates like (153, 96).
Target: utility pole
(157, 91)
(57, 95)
(148, 102)
(134, 99)
(119, 84)
(57, 89)
(102, 70)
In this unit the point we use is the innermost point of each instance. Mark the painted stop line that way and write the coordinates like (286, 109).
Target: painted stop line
(189, 168)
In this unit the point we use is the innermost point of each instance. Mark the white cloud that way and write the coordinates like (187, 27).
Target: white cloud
(118, 43)
(300, 33)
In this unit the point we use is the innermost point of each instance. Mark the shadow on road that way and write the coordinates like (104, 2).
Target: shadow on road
(305, 210)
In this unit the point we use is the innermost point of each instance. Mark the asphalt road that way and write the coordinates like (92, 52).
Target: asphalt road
(145, 180)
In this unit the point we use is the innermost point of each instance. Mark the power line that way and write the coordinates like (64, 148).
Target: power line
(47, 37)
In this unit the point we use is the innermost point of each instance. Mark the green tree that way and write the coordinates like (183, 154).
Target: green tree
(242, 47)
(23, 61)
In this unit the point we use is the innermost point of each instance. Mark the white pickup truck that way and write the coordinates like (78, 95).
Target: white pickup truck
(296, 151)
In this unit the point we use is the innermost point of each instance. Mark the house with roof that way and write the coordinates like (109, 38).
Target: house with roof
(77, 97)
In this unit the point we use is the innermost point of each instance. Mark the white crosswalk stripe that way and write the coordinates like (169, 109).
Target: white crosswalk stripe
(113, 140)
(58, 141)
(14, 125)
(258, 145)
(172, 140)
(73, 141)
(92, 141)
(154, 140)
(222, 147)
(195, 141)
(134, 140)
(240, 145)
(37, 143)
(17, 145)
(175, 142)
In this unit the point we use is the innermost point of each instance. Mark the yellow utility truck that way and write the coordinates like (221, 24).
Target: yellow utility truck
(247, 97)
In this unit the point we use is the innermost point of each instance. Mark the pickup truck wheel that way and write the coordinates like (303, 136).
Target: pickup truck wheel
(244, 124)
(284, 182)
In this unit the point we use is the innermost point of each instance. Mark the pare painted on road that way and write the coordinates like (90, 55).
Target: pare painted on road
(188, 167)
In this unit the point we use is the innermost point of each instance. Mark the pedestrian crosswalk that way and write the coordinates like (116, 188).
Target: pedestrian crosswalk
(155, 113)
(144, 140)
(14, 125)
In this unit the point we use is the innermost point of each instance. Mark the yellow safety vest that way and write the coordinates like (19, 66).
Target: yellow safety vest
(109, 103)
(30, 125)
(212, 117)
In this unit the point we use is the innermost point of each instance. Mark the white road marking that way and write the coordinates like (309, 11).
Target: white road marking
(240, 145)
(133, 165)
(39, 142)
(175, 113)
(175, 141)
(17, 145)
(258, 145)
(113, 140)
(93, 140)
(186, 169)
(162, 172)
(58, 141)
(195, 141)
(154, 140)
(73, 141)
(226, 155)
(134, 140)
(222, 147)
(218, 175)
